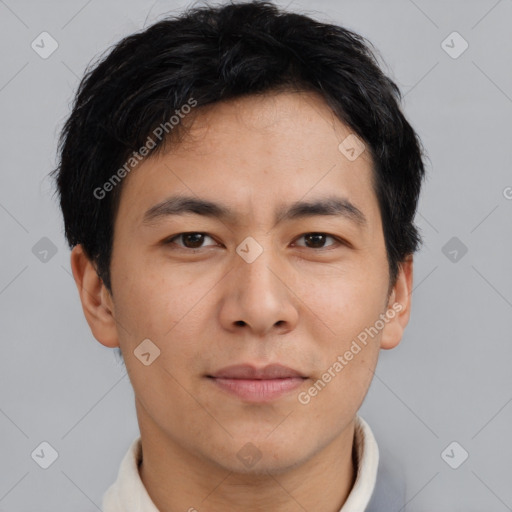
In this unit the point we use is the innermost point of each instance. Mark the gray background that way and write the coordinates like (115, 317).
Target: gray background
(449, 380)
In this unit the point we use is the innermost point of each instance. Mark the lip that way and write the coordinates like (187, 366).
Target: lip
(248, 371)
(253, 384)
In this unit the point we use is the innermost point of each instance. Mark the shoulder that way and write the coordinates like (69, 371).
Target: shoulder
(389, 491)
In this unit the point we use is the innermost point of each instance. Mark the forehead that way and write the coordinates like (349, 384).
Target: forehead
(254, 153)
(291, 116)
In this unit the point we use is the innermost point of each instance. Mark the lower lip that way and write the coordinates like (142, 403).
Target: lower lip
(258, 390)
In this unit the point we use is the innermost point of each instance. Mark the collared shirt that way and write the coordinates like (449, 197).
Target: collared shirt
(128, 494)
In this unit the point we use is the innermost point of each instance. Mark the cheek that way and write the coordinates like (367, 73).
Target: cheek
(349, 308)
(151, 305)
(347, 303)
(149, 299)
(169, 308)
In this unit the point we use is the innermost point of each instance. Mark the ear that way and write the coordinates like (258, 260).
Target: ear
(97, 302)
(399, 306)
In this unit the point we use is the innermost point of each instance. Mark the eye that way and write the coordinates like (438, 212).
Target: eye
(192, 240)
(317, 240)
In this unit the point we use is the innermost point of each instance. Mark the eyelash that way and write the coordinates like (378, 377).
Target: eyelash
(170, 241)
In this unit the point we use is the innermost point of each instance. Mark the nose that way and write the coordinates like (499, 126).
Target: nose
(259, 296)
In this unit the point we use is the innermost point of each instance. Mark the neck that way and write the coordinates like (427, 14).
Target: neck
(178, 480)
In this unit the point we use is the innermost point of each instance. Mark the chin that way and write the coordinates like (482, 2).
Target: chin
(261, 457)
(265, 466)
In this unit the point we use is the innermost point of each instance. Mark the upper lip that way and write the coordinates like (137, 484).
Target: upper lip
(247, 371)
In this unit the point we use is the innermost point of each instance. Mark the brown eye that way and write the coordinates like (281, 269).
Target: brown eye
(192, 240)
(317, 240)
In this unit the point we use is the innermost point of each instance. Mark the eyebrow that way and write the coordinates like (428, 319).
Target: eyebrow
(329, 206)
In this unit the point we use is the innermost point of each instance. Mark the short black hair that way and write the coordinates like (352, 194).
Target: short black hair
(216, 53)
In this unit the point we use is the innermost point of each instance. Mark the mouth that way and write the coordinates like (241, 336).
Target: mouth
(252, 384)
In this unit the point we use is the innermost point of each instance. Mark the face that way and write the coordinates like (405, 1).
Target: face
(252, 283)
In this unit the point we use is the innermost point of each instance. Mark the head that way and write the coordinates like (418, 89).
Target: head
(239, 185)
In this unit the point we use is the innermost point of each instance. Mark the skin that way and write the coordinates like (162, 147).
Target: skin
(300, 303)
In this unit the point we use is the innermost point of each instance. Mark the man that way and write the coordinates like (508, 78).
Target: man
(239, 187)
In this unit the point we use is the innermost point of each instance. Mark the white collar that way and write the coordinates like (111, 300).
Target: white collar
(128, 491)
